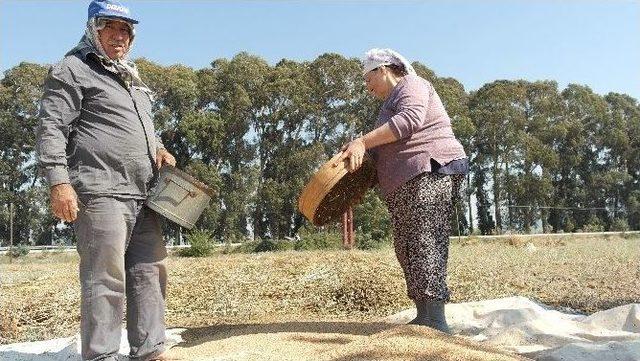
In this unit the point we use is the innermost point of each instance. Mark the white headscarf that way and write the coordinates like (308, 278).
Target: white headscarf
(125, 68)
(376, 57)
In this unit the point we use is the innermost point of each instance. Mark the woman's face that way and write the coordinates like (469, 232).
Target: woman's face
(376, 84)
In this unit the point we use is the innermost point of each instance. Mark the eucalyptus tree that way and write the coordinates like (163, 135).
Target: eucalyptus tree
(233, 97)
(582, 150)
(623, 140)
(20, 91)
(498, 122)
(531, 188)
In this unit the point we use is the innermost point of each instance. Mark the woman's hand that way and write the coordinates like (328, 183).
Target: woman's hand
(354, 150)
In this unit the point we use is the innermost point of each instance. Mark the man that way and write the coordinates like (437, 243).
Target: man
(97, 148)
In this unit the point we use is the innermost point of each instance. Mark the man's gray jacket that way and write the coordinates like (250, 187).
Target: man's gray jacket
(95, 132)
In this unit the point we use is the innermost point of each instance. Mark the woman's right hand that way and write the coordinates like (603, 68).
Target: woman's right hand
(353, 150)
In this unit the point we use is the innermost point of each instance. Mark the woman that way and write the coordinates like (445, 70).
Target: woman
(420, 166)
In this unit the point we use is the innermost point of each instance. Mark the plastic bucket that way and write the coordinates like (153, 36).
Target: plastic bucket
(179, 197)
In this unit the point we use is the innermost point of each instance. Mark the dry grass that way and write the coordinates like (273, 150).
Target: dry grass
(39, 296)
(588, 274)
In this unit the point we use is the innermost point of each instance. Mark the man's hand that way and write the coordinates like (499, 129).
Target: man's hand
(354, 150)
(164, 157)
(64, 202)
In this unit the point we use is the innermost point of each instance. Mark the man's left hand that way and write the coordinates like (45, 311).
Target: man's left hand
(164, 157)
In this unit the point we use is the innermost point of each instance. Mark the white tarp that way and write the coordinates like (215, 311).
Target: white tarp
(65, 349)
(515, 324)
(520, 325)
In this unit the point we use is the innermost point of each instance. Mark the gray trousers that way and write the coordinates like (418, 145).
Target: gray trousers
(122, 254)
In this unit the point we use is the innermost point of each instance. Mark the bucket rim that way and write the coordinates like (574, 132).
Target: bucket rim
(203, 187)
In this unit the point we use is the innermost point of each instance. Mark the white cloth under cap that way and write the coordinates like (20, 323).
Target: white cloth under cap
(376, 57)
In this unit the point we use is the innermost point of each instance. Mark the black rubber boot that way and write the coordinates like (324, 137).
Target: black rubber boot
(430, 313)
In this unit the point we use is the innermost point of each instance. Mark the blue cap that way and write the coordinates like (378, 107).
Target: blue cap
(110, 9)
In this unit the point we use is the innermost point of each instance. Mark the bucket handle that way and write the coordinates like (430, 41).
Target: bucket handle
(191, 194)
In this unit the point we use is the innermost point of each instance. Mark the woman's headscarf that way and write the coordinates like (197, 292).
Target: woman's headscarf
(376, 57)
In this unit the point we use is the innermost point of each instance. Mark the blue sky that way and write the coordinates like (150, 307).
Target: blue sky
(596, 43)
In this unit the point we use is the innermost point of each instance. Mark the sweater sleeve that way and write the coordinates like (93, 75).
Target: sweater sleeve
(411, 105)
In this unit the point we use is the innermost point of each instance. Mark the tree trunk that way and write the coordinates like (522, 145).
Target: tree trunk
(496, 197)
(469, 200)
(11, 224)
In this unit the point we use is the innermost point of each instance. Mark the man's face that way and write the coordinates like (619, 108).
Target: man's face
(115, 38)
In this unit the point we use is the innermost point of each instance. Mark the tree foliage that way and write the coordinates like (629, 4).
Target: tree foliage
(557, 159)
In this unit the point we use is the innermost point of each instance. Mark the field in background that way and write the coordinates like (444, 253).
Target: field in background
(39, 294)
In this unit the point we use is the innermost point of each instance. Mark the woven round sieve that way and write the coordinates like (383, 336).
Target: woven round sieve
(331, 190)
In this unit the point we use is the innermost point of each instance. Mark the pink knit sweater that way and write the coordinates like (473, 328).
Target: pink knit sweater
(417, 117)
